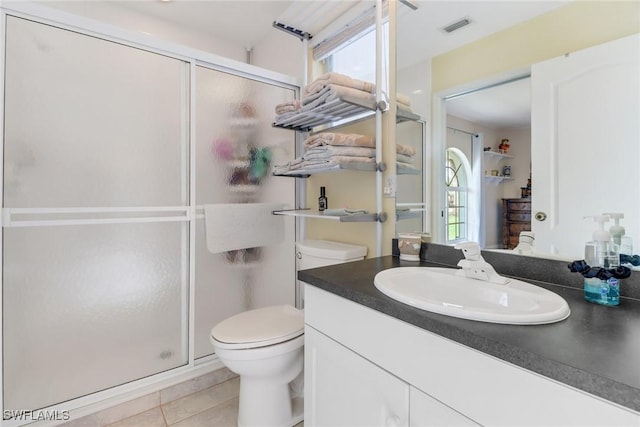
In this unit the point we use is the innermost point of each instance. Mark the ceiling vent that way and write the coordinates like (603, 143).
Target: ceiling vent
(456, 25)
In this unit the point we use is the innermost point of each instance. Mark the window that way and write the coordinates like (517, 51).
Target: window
(456, 172)
(358, 60)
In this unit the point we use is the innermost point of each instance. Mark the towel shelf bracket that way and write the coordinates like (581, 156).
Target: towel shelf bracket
(382, 217)
(381, 167)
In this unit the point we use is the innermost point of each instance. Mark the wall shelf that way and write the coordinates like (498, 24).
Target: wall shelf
(497, 179)
(406, 116)
(308, 213)
(409, 214)
(306, 173)
(332, 111)
(497, 156)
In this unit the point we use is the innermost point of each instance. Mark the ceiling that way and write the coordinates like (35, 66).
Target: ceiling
(247, 22)
(504, 106)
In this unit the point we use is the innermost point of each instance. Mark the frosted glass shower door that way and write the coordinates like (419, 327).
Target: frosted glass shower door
(95, 225)
(236, 145)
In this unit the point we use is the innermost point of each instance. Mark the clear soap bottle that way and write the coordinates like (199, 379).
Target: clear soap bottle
(602, 252)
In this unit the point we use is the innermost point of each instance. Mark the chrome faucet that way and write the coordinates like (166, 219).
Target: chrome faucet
(475, 267)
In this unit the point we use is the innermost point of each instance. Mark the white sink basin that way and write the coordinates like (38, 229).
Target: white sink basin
(440, 290)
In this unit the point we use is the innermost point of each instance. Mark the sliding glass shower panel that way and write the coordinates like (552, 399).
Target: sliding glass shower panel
(90, 307)
(95, 225)
(89, 122)
(236, 147)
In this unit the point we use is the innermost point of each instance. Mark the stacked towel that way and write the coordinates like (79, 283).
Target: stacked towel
(322, 91)
(288, 107)
(405, 155)
(342, 139)
(332, 92)
(327, 149)
(403, 102)
(337, 79)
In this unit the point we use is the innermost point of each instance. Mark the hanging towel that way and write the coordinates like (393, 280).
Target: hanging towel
(234, 226)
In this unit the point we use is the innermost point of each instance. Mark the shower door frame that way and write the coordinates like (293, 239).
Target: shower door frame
(192, 58)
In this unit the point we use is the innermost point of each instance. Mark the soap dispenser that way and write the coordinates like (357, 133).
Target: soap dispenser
(617, 234)
(602, 253)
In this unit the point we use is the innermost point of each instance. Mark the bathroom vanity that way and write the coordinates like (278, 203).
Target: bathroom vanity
(370, 360)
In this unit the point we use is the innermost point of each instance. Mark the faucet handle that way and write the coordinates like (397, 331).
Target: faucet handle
(470, 250)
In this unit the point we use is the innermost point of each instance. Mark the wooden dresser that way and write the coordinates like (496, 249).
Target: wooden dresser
(516, 217)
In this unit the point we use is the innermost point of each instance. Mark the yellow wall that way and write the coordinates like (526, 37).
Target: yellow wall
(352, 190)
(578, 25)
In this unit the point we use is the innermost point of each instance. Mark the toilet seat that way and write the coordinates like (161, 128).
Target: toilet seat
(259, 328)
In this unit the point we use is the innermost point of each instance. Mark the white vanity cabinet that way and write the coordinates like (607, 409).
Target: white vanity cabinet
(348, 389)
(425, 411)
(361, 367)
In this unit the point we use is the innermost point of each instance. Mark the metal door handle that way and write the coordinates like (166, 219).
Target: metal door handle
(540, 216)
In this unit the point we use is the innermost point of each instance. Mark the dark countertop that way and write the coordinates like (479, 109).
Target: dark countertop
(596, 349)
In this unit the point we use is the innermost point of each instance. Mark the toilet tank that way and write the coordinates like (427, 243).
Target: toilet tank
(320, 253)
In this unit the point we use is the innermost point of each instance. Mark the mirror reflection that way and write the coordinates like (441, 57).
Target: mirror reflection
(488, 164)
(574, 142)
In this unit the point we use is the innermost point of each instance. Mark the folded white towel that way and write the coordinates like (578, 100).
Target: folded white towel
(332, 92)
(405, 149)
(405, 168)
(344, 212)
(404, 158)
(403, 99)
(325, 151)
(336, 138)
(288, 107)
(335, 78)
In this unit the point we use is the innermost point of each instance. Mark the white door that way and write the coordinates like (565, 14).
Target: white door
(344, 389)
(585, 144)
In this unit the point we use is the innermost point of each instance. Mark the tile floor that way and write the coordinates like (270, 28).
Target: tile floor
(211, 401)
(215, 406)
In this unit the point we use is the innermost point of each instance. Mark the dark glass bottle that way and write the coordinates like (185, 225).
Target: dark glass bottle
(322, 200)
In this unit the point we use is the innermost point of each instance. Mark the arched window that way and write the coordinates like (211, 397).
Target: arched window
(456, 180)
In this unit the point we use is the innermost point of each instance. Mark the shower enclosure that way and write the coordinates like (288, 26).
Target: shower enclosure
(110, 150)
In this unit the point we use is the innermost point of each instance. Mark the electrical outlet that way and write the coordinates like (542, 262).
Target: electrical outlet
(389, 187)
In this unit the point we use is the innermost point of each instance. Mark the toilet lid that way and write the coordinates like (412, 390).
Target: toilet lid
(260, 327)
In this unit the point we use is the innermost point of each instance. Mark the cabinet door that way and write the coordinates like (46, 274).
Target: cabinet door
(428, 412)
(344, 389)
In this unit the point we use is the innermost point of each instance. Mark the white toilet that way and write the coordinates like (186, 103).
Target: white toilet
(265, 346)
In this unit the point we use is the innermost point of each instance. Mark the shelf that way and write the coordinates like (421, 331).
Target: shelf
(308, 213)
(333, 111)
(497, 155)
(306, 173)
(407, 116)
(403, 170)
(497, 179)
(409, 214)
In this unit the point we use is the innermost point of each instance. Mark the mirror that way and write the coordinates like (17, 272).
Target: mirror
(497, 119)
(484, 64)
(410, 178)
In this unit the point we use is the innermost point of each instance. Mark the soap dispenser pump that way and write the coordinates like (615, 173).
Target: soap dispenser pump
(601, 251)
(618, 234)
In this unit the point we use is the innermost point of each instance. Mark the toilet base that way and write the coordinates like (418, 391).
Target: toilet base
(266, 404)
